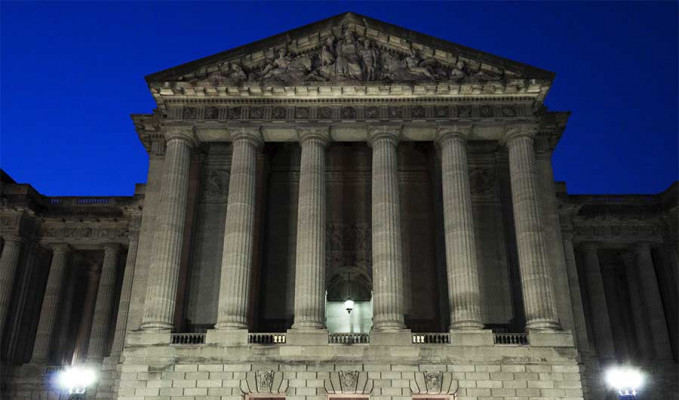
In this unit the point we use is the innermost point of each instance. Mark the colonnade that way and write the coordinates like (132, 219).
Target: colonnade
(646, 314)
(93, 332)
(388, 313)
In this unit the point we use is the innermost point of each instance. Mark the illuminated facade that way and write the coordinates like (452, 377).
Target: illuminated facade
(349, 159)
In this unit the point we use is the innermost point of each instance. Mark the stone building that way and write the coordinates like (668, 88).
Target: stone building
(348, 159)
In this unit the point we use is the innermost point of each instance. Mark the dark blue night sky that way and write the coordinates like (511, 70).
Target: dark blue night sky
(72, 73)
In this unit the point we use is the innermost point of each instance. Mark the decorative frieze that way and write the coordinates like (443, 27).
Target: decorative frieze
(285, 112)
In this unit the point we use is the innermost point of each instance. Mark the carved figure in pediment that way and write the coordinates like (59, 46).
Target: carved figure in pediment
(369, 57)
(348, 64)
(328, 52)
(416, 66)
(226, 72)
(459, 71)
(485, 75)
(278, 66)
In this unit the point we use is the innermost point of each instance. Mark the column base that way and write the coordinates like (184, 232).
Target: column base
(228, 337)
(550, 338)
(307, 337)
(391, 338)
(471, 337)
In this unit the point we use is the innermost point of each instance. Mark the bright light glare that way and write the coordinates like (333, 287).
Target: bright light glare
(349, 305)
(76, 379)
(625, 380)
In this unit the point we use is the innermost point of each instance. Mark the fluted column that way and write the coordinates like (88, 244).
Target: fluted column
(50, 303)
(125, 294)
(387, 256)
(239, 231)
(82, 341)
(641, 328)
(310, 265)
(536, 282)
(463, 276)
(576, 296)
(104, 304)
(161, 290)
(601, 322)
(654, 306)
(8, 265)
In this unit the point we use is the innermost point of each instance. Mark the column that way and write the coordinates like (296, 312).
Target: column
(161, 290)
(104, 304)
(386, 232)
(536, 282)
(8, 266)
(642, 333)
(239, 231)
(654, 307)
(601, 323)
(576, 296)
(81, 343)
(310, 260)
(50, 303)
(463, 280)
(125, 294)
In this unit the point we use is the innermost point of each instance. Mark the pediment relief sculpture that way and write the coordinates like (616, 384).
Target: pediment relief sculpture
(344, 58)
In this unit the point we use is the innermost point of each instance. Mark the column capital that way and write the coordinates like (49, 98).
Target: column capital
(590, 246)
(628, 257)
(60, 248)
(319, 133)
(390, 133)
(641, 246)
(13, 238)
(453, 131)
(518, 130)
(180, 132)
(252, 134)
(111, 247)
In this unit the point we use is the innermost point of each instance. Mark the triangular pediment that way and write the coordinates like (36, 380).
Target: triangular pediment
(349, 50)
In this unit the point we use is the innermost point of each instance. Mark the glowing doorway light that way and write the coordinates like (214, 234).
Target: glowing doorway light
(626, 380)
(75, 380)
(349, 305)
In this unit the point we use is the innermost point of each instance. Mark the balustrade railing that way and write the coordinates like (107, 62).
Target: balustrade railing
(187, 338)
(427, 338)
(266, 338)
(348, 338)
(511, 338)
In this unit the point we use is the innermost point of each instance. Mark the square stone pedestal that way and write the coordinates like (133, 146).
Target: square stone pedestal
(481, 337)
(398, 338)
(227, 337)
(550, 338)
(143, 337)
(312, 337)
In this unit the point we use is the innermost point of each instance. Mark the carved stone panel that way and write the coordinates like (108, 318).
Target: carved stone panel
(216, 186)
(267, 381)
(351, 382)
(434, 382)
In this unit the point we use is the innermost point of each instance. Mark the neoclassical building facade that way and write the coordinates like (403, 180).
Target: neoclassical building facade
(347, 209)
